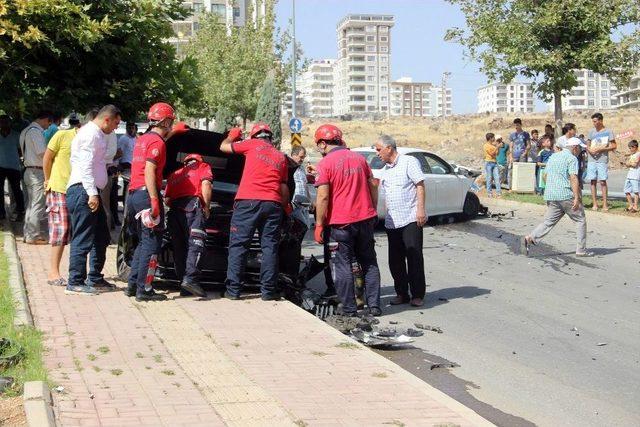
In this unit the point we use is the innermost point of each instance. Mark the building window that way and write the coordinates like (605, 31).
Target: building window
(384, 49)
(605, 103)
(604, 93)
(384, 29)
(591, 103)
(197, 7)
(371, 98)
(383, 59)
(590, 74)
(371, 58)
(370, 28)
(371, 48)
(371, 38)
(371, 78)
(371, 88)
(591, 84)
(383, 89)
(384, 38)
(371, 68)
(236, 12)
(384, 69)
(604, 84)
(591, 93)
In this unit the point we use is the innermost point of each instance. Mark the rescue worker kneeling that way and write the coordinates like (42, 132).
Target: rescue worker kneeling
(188, 195)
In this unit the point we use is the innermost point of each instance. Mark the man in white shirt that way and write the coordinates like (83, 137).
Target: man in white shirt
(403, 183)
(33, 146)
(90, 232)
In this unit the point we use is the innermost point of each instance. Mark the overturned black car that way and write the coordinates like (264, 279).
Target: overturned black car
(227, 170)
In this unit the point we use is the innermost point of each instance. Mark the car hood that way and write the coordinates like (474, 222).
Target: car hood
(226, 168)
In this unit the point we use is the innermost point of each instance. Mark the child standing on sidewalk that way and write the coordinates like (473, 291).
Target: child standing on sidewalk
(490, 165)
(542, 158)
(632, 184)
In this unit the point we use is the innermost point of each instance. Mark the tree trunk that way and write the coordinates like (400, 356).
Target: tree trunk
(244, 122)
(557, 101)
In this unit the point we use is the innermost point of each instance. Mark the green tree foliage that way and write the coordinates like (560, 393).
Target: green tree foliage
(233, 63)
(225, 120)
(73, 54)
(545, 40)
(268, 110)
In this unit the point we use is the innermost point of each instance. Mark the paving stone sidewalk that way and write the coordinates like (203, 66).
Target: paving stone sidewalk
(215, 362)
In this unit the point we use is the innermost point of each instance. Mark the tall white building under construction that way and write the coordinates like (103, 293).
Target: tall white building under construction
(362, 72)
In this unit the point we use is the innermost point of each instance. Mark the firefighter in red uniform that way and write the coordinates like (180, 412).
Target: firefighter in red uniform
(188, 195)
(345, 204)
(149, 158)
(262, 195)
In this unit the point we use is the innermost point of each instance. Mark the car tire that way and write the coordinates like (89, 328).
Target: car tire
(471, 206)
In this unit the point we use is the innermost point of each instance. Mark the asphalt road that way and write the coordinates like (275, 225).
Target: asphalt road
(549, 339)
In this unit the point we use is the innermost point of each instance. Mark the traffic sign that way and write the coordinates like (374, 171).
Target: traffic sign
(626, 134)
(296, 139)
(295, 124)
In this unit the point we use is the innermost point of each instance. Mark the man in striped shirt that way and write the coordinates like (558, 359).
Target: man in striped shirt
(563, 197)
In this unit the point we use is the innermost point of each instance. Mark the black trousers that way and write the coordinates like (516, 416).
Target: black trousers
(406, 262)
(14, 177)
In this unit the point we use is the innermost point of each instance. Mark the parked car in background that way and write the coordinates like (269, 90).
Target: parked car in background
(447, 192)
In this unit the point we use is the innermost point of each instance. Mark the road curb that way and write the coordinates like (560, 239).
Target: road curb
(513, 204)
(38, 404)
(23, 315)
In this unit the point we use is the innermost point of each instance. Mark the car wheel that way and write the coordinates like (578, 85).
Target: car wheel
(123, 268)
(471, 206)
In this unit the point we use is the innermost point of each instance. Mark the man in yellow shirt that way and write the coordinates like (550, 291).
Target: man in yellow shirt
(57, 168)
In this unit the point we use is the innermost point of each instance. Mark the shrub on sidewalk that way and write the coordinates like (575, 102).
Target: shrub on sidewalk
(30, 366)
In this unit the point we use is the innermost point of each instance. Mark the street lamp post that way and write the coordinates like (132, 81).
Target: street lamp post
(293, 66)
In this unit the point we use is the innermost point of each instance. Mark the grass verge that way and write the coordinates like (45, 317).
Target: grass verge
(615, 206)
(30, 367)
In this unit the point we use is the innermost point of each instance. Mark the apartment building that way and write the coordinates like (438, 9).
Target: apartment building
(316, 87)
(593, 92)
(231, 12)
(419, 99)
(629, 97)
(362, 72)
(514, 97)
(287, 107)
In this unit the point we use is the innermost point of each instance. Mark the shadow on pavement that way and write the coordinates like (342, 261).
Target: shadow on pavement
(425, 366)
(433, 299)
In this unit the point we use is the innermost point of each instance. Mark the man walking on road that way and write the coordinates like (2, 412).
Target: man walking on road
(403, 184)
(33, 146)
(563, 197)
(10, 167)
(599, 143)
(90, 233)
(345, 203)
(57, 168)
(262, 194)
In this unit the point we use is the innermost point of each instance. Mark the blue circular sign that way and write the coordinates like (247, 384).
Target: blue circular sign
(295, 124)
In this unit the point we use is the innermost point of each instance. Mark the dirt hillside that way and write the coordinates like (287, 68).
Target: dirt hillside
(460, 138)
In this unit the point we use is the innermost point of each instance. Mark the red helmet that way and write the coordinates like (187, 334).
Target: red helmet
(190, 157)
(328, 133)
(160, 111)
(259, 128)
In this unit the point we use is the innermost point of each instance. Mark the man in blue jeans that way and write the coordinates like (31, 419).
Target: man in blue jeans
(261, 196)
(90, 233)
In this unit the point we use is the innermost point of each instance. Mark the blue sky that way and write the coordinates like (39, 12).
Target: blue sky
(418, 48)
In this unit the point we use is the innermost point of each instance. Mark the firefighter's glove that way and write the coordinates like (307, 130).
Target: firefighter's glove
(317, 234)
(235, 134)
(180, 128)
(155, 207)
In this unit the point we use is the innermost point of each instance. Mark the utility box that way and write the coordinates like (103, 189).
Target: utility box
(523, 177)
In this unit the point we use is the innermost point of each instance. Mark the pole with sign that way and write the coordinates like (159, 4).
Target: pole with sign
(295, 125)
